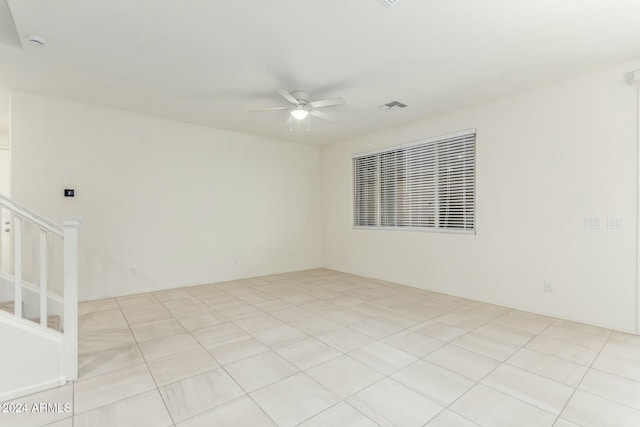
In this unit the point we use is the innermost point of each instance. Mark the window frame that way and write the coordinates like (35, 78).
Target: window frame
(378, 208)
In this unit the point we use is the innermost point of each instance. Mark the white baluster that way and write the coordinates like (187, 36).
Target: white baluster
(17, 266)
(34, 251)
(43, 279)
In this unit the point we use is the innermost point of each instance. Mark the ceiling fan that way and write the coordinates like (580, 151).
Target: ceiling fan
(302, 107)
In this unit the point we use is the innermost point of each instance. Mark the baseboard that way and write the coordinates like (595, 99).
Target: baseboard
(187, 285)
(497, 301)
(32, 389)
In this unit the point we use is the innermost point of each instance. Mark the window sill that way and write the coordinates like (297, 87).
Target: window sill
(418, 229)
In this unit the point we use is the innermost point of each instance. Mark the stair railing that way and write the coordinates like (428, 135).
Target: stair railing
(43, 233)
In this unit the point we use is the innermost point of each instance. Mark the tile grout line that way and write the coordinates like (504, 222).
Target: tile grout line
(274, 349)
(389, 376)
(304, 371)
(533, 373)
(147, 364)
(220, 366)
(321, 314)
(376, 340)
(493, 370)
(153, 378)
(501, 363)
(564, 407)
(333, 406)
(448, 407)
(299, 371)
(118, 400)
(116, 370)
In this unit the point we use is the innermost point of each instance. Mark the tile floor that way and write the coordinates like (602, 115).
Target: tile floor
(321, 348)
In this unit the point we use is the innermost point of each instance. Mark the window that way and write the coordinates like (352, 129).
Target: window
(425, 185)
(366, 183)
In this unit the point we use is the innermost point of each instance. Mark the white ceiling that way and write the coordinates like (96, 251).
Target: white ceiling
(210, 62)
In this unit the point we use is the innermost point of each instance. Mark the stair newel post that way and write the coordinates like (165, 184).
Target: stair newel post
(70, 226)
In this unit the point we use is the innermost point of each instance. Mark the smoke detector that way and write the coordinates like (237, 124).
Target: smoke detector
(389, 3)
(392, 106)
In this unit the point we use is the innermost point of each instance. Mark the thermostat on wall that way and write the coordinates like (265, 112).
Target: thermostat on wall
(69, 192)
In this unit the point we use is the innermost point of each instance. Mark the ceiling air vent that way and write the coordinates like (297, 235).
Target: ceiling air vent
(389, 3)
(393, 105)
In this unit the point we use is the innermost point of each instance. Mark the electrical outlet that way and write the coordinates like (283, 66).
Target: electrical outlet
(614, 223)
(547, 287)
(592, 223)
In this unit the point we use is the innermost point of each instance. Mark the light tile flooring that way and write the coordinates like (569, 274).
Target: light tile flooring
(321, 348)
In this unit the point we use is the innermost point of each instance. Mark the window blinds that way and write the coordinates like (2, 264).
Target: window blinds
(429, 185)
(366, 188)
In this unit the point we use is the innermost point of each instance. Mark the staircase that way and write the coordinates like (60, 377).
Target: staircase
(53, 320)
(38, 301)
(7, 306)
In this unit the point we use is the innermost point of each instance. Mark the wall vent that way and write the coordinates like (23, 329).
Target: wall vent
(389, 3)
(393, 105)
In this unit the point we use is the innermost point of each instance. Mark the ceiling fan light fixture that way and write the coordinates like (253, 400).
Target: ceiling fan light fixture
(299, 113)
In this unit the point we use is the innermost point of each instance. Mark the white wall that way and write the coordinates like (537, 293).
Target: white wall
(546, 159)
(31, 359)
(5, 164)
(179, 203)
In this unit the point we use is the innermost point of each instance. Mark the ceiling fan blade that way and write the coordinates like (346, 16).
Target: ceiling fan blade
(322, 115)
(326, 102)
(269, 109)
(286, 95)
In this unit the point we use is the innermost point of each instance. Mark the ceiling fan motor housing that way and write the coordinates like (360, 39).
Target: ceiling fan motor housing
(301, 96)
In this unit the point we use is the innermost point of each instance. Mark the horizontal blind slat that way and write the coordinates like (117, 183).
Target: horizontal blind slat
(412, 184)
